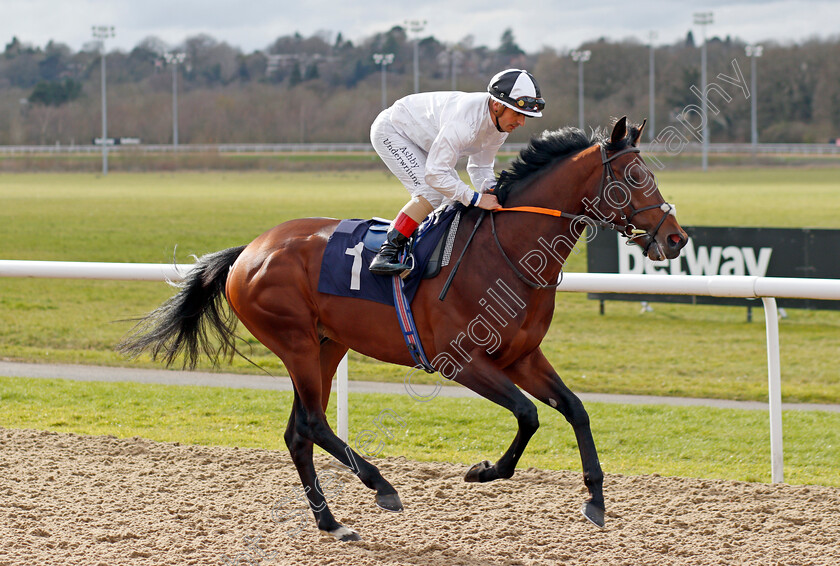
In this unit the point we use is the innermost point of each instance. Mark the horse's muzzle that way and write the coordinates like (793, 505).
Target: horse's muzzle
(665, 247)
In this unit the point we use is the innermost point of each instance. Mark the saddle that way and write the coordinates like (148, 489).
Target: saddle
(354, 243)
(441, 253)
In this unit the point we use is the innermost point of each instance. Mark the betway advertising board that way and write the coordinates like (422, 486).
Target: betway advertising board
(715, 250)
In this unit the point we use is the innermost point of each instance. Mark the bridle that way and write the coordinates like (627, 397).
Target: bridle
(624, 226)
(628, 230)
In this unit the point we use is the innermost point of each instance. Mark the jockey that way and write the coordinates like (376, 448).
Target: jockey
(421, 137)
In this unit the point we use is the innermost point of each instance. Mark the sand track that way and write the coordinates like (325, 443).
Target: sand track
(70, 499)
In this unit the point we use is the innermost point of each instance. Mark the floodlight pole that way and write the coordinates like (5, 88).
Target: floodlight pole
(703, 19)
(754, 52)
(384, 59)
(102, 33)
(416, 27)
(651, 109)
(457, 57)
(174, 59)
(580, 57)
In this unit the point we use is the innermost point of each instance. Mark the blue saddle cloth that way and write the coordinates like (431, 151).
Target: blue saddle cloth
(344, 269)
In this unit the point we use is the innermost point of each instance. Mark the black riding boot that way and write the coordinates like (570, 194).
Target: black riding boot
(387, 260)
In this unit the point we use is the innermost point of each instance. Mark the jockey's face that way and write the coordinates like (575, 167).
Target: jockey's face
(506, 119)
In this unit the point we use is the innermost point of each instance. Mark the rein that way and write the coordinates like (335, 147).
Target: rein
(452, 273)
(518, 273)
(627, 229)
(561, 214)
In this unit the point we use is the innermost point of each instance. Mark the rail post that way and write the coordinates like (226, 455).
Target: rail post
(774, 378)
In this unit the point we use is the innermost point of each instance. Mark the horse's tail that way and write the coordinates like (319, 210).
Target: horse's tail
(188, 322)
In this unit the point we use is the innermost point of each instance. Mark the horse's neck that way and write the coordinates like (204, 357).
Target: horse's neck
(567, 187)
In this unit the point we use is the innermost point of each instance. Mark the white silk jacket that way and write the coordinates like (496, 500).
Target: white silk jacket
(449, 126)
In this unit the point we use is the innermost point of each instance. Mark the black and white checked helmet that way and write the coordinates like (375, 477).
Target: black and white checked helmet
(519, 90)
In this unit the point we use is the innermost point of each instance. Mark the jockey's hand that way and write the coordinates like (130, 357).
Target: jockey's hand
(488, 202)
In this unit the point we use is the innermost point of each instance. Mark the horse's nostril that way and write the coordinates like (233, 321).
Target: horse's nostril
(675, 240)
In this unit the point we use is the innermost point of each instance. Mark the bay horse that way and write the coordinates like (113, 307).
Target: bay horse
(492, 348)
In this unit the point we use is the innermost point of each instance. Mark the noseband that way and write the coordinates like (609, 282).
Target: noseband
(625, 228)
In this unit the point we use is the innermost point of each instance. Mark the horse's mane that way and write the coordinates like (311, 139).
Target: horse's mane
(551, 146)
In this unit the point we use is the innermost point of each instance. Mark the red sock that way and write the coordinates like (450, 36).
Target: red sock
(405, 225)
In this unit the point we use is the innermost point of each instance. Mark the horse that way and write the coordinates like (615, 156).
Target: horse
(489, 346)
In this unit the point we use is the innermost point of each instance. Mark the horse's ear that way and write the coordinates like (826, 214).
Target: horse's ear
(619, 131)
(639, 135)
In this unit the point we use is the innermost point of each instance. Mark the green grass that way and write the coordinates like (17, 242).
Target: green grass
(683, 441)
(754, 197)
(676, 350)
(131, 161)
(142, 217)
(146, 162)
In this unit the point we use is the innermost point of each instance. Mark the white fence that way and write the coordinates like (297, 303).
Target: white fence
(765, 288)
(93, 270)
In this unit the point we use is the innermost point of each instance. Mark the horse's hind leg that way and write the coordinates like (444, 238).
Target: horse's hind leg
(312, 424)
(300, 448)
(331, 354)
(308, 362)
(536, 376)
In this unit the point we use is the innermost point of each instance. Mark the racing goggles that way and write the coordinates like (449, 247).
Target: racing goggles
(530, 103)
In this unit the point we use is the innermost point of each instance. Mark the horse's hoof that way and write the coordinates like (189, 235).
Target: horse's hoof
(481, 472)
(593, 513)
(344, 534)
(390, 502)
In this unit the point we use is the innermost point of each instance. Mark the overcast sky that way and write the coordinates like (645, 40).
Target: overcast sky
(562, 24)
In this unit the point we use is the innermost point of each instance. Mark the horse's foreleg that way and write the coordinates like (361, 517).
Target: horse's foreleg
(536, 376)
(571, 407)
(495, 386)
